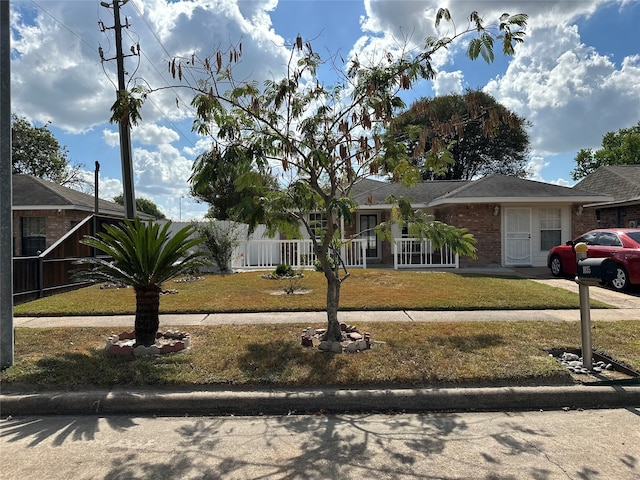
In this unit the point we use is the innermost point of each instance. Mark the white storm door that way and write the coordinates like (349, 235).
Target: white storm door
(518, 236)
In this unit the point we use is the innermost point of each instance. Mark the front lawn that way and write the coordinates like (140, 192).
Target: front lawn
(363, 290)
(412, 355)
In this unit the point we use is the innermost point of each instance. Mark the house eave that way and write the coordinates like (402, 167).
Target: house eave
(619, 203)
(387, 206)
(77, 208)
(505, 200)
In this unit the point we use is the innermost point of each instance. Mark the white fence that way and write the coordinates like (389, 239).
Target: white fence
(413, 253)
(267, 254)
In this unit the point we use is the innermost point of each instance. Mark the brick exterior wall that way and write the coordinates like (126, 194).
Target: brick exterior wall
(480, 220)
(619, 216)
(56, 225)
(581, 223)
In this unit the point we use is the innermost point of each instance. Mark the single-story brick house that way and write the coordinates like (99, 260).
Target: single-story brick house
(44, 211)
(622, 182)
(515, 221)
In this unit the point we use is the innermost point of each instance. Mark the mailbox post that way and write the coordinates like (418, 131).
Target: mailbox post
(590, 271)
(585, 310)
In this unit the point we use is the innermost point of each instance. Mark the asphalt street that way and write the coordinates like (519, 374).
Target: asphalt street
(573, 444)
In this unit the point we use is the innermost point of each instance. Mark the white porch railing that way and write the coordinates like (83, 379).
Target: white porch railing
(414, 253)
(267, 254)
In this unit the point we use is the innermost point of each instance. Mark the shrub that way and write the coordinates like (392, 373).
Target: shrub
(220, 242)
(284, 270)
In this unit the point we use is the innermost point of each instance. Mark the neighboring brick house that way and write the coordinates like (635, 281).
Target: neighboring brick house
(622, 182)
(515, 221)
(44, 211)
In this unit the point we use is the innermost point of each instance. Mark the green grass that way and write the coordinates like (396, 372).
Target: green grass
(416, 354)
(363, 290)
(412, 354)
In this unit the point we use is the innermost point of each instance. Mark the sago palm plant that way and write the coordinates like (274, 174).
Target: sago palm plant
(143, 256)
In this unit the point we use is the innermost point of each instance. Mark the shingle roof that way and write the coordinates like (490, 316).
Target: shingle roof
(374, 192)
(622, 182)
(34, 192)
(493, 188)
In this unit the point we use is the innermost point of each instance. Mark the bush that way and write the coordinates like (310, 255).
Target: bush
(284, 270)
(220, 242)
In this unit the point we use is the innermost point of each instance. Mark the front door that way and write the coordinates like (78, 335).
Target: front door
(367, 225)
(518, 236)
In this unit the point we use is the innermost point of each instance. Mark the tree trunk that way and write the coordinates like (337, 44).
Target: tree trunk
(334, 333)
(147, 309)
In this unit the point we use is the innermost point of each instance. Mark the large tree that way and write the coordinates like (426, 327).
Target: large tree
(143, 205)
(230, 182)
(618, 148)
(326, 138)
(36, 151)
(478, 135)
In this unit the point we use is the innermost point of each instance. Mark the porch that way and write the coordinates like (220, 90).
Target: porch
(407, 253)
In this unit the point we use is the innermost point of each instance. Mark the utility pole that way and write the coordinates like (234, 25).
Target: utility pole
(125, 135)
(6, 201)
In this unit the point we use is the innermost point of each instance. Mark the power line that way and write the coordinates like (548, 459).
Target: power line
(152, 64)
(65, 27)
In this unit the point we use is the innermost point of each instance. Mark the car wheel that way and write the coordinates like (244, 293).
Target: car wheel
(621, 282)
(556, 266)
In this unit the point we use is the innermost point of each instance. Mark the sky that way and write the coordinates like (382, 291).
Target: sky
(575, 78)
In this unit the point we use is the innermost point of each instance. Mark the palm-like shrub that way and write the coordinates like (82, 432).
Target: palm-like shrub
(143, 256)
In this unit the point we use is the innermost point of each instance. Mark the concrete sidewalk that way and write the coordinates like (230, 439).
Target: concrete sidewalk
(314, 318)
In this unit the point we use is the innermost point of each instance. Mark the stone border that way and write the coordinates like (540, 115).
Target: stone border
(170, 341)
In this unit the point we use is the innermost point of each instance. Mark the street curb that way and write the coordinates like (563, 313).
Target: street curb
(282, 402)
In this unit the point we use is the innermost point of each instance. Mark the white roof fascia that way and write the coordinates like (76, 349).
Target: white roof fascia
(388, 206)
(577, 199)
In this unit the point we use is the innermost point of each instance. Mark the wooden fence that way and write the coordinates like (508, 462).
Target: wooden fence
(51, 271)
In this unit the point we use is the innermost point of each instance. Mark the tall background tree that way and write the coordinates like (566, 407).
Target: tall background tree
(36, 151)
(143, 205)
(618, 148)
(326, 138)
(459, 137)
(232, 182)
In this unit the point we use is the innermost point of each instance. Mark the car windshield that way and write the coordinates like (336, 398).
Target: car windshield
(635, 236)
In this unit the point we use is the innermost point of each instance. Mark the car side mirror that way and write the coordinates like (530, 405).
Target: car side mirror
(569, 243)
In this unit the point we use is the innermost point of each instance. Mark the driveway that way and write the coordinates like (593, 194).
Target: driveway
(607, 295)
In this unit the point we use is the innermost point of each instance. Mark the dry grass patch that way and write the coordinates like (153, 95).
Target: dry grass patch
(364, 290)
(416, 354)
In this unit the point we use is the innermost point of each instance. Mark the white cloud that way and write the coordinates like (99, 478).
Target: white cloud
(153, 134)
(570, 93)
(448, 82)
(535, 166)
(109, 188)
(111, 138)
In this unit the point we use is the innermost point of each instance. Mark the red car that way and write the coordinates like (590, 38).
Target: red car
(619, 244)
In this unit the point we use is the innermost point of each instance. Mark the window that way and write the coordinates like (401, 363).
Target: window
(550, 228)
(607, 239)
(318, 223)
(33, 235)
